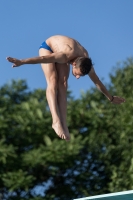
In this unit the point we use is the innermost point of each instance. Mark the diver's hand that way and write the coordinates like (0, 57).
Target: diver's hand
(16, 62)
(117, 100)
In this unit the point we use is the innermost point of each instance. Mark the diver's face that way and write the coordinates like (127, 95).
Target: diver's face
(76, 72)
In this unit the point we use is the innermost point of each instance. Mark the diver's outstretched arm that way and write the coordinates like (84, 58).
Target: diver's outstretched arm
(52, 58)
(113, 99)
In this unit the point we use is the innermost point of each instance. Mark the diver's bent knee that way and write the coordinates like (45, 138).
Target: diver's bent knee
(62, 84)
(53, 81)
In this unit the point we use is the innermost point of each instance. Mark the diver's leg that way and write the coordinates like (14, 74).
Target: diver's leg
(51, 94)
(63, 74)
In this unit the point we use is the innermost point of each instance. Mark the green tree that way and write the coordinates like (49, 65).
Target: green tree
(98, 159)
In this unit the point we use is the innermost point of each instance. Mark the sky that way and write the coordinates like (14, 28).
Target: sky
(103, 27)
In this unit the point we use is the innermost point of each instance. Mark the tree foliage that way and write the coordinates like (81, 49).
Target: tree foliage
(35, 164)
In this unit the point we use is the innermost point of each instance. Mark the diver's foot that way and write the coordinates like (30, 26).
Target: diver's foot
(60, 131)
(67, 132)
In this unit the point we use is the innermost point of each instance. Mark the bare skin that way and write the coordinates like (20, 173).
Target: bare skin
(56, 77)
(56, 69)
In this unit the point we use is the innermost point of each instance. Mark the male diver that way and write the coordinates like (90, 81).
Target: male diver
(55, 56)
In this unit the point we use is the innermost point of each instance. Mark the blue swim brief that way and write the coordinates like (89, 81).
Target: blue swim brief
(45, 46)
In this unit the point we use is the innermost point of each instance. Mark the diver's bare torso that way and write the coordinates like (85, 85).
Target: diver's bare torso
(59, 43)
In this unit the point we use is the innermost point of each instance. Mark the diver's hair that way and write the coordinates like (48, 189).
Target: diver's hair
(85, 65)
